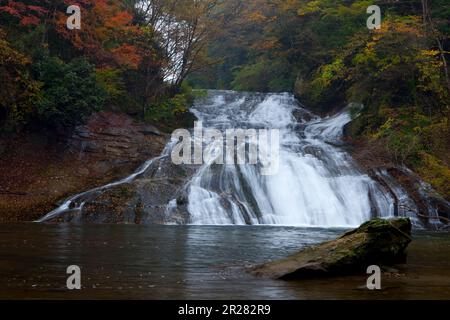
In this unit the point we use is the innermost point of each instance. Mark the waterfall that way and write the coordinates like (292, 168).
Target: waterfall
(316, 184)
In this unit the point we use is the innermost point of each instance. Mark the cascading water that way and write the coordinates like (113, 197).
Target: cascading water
(317, 182)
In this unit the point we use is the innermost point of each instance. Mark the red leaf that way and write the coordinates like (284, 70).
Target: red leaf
(10, 10)
(37, 9)
(29, 20)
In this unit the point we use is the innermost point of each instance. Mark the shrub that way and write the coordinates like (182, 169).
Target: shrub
(70, 91)
(170, 108)
(18, 91)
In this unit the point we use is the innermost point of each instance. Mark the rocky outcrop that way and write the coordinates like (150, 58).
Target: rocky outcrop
(111, 141)
(377, 242)
(41, 169)
(141, 201)
(412, 196)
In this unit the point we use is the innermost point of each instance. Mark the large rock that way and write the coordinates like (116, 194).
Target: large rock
(112, 141)
(377, 242)
(144, 200)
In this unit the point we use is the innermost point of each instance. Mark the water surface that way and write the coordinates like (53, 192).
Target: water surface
(195, 262)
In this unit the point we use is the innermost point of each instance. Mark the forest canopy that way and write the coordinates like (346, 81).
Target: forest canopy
(131, 56)
(143, 56)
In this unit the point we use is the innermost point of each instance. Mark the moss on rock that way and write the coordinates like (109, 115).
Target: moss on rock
(380, 241)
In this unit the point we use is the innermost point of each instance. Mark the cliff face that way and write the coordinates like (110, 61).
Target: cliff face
(38, 170)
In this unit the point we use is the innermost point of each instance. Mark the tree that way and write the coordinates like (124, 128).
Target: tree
(184, 29)
(106, 36)
(433, 32)
(26, 13)
(69, 93)
(19, 92)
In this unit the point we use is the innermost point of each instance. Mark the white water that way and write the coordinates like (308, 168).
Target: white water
(317, 183)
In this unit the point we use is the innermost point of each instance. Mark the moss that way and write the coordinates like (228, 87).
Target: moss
(380, 241)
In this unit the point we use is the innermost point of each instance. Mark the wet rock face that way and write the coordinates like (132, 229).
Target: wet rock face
(431, 205)
(413, 198)
(113, 146)
(377, 242)
(143, 201)
(39, 170)
(112, 140)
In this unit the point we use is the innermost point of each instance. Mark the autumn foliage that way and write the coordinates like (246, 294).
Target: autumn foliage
(323, 51)
(118, 50)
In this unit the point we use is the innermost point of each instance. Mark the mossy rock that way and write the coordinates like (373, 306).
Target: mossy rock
(378, 242)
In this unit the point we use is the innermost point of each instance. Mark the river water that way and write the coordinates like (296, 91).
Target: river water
(195, 262)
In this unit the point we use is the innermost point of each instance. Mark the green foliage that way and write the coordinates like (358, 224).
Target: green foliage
(56, 77)
(401, 83)
(18, 91)
(396, 72)
(436, 138)
(321, 46)
(252, 77)
(171, 107)
(264, 75)
(69, 91)
(111, 81)
(436, 172)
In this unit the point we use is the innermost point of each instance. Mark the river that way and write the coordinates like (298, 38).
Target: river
(195, 262)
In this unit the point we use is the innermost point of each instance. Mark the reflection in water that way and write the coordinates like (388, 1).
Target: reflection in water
(194, 262)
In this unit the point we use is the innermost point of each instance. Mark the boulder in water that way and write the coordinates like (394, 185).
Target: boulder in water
(378, 242)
